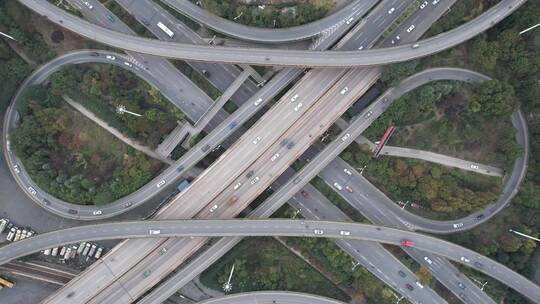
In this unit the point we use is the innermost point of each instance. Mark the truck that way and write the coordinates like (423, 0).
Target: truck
(6, 283)
(183, 185)
(165, 29)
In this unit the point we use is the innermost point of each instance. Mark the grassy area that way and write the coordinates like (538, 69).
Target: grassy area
(128, 19)
(102, 88)
(264, 264)
(71, 157)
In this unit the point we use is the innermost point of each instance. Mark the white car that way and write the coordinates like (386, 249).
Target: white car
(435, 2)
(318, 231)
(88, 5)
(257, 102)
(345, 89)
(154, 231)
(338, 186)
(274, 157)
(256, 140)
(458, 225)
(475, 167)
(423, 5)
(344, 232)
(128, 64)
(16, 169)
(428, 260)
(360, 47)
(411, 28)
(237, 186)
(161, 183)
(255, 180)
(298, 106)
(390, 11)
(213, 208)
(344, 138)
(111, 57)
(464, 259)
(368, 114)
(32, 190)
(350, 20)
(347, 171)
(97, 212)
(294, 97)
(415, 46)
(419, 284)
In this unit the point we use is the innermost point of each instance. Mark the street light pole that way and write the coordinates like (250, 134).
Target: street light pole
(227, 287)
(296, 213)
(524, 235)
(530, 28)
(355, 265)
(8, 36)
(122, 109)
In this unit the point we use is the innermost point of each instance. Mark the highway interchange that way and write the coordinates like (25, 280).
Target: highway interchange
(316, 114)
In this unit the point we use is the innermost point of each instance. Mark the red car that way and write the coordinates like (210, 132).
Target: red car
(407, 243)
(233, 199)
(305, 193)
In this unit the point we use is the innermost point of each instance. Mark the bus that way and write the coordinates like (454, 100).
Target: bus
(6, 283)
(384, 139)
(164, 28)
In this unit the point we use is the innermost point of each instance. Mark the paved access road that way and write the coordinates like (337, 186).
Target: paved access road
(264, 35)
(273, 56)
(272, 297)
(277, 227)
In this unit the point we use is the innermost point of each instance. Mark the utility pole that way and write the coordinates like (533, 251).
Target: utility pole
(239, 15)
(227, 287)
(530, 28)
(122, 109)
(524, 235)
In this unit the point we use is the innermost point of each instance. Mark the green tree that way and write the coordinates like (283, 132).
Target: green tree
(494, 98)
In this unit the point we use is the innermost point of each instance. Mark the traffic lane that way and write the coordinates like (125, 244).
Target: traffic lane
(244, 227)
(268, 297)
(278, 57)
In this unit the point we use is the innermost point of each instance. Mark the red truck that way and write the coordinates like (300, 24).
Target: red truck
(407, 243)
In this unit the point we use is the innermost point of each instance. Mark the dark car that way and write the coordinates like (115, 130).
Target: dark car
(205, 73)
(284, 142)
(94, 54)
(250, 174)
(401, 274)
(478, 264)
(233, 124)
(111, 18)
(72, 211)
(179, 169)
(290, 145)
(409, 287)
(205, 148)
(479, 217)
(46, 202)
(145, 21)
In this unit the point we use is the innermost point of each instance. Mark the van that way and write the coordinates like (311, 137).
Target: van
(338, 186)
(154, 231)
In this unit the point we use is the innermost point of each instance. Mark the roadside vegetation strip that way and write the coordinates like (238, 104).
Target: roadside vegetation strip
(411, 8)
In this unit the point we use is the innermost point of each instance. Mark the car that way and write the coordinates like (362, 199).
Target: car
(3, 224)
(411, 28)
(214, 208)
(250, 174)
(47, 251)
(256, 140)
(232, 124)
(97, 212)
(32, 190)
(415, 46)
(255, 180)
(338, 186)
(407, 243)
(290, 145)
(298, 106)
(304, 193)
(81, 247)
(128, 204)
(128, 64)
(98, 253)
(423, 5)
(145, 21)
(318, 231)
(233, 199)
(161, 183)
(73, 211)
(345, 137)
(205, 73)
(88, 5)
(360, 47)
(401, 273)
(435, 2)
(284, 142)
(257, 102)
(409, 287)
(461, 285)
(478, 264)
(16, 169)
(294, 97)
(111, 18)
(419, 284)
(94, 54)
(17, 235)
(347, 171)
(154, 231)
(465, 259)
(237, 186)
(205, 148)
(30, 233)
(344, 90)
(23, 234)
(11, 234)
(274, 157)
(111, 57)
(92, 250)
(476, 167)
(428, 260)
(458, 225)
(344, 232)
(350, 20)
(479, 217)
(349, 189)
(368, 114)
(390, 11)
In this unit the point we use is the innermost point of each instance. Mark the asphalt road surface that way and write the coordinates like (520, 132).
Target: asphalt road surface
(272, 297)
